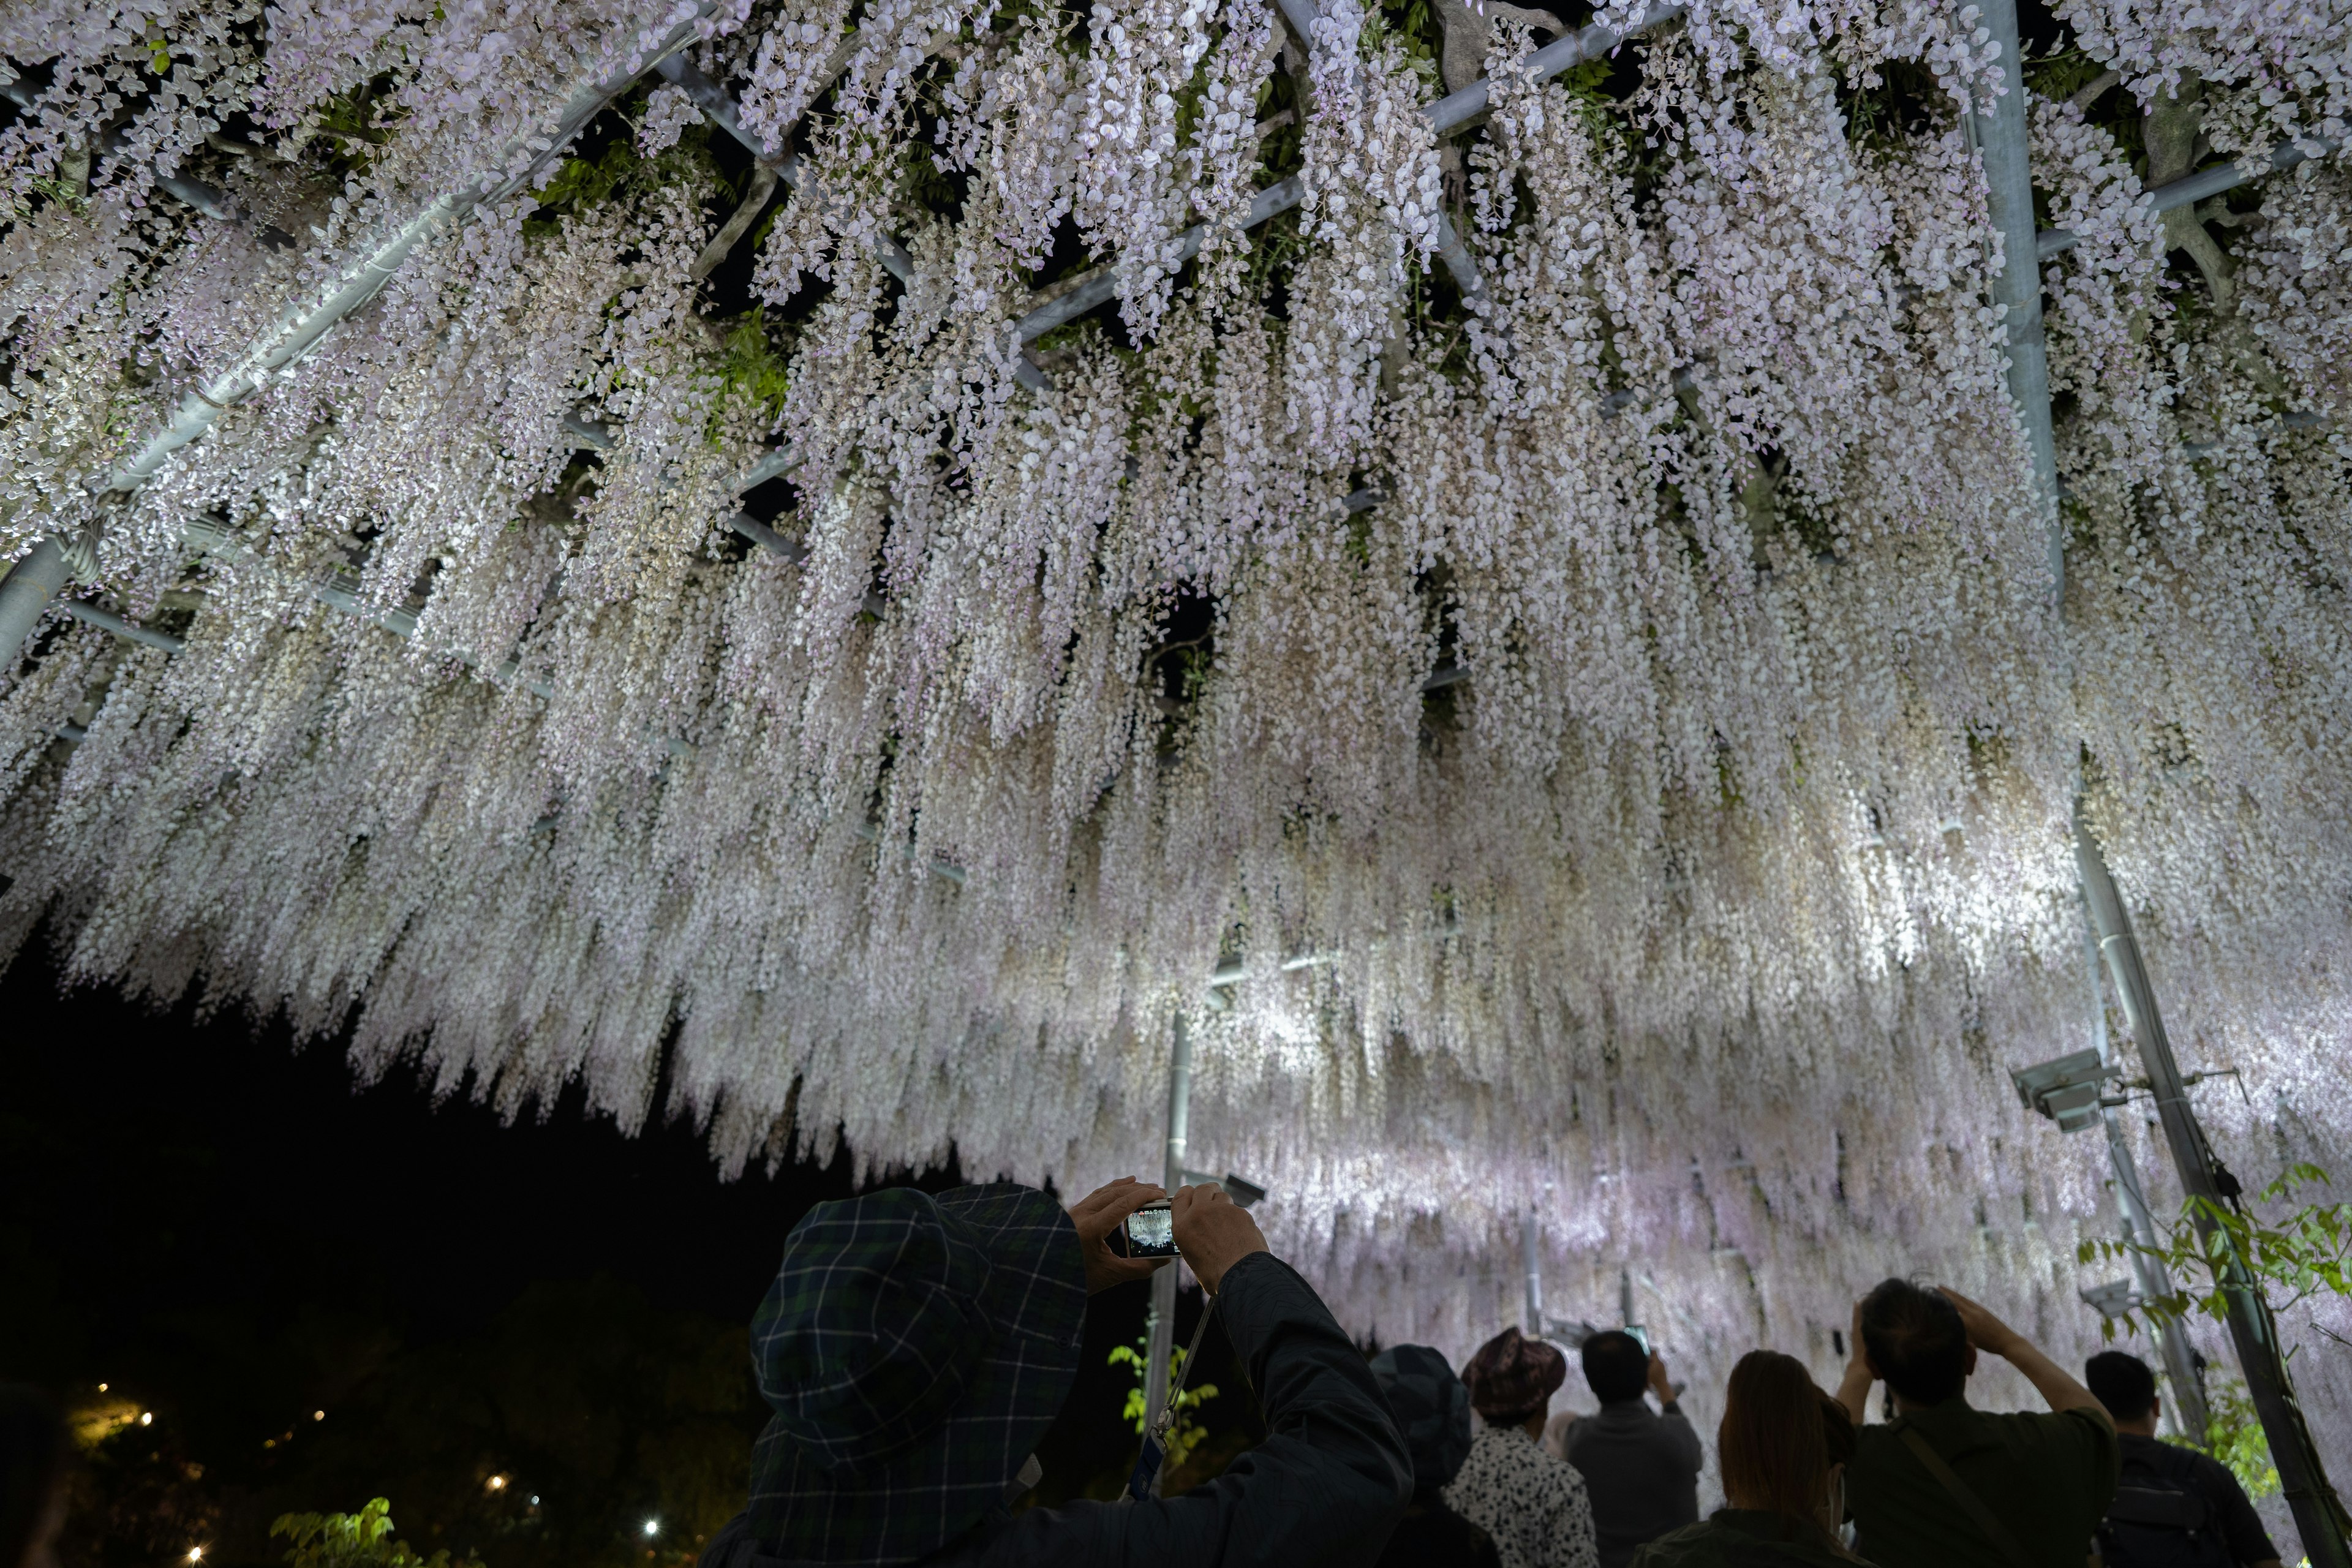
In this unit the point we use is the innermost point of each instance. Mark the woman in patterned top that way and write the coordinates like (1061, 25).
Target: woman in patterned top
(1531, 1504)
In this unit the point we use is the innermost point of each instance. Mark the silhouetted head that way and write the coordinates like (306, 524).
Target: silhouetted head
(1616, 1366)
(2122, 1383)
(1915, 1341)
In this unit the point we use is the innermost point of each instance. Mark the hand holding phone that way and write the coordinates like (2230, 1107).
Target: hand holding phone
(1101, 1218)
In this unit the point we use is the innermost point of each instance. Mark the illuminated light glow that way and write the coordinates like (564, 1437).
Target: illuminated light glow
(101, 1388)
(146, 1418)
(195, 1553)
(1654, 921)
(498, 1483)
(318, 1416)
(652, 1527)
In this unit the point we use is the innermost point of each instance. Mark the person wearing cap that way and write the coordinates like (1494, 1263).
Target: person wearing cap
(914, 1349)
(1532, 1502)
(1433, 1411)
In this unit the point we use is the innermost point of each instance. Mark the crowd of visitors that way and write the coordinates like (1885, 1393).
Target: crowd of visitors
(913, 1349)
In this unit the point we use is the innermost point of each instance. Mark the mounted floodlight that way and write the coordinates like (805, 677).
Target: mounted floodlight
(2066, 1090)
(1567, 1335)
(1245, 1193)
(2116, 1299)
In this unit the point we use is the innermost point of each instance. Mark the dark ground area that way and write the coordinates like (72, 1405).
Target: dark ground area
(300, 1294)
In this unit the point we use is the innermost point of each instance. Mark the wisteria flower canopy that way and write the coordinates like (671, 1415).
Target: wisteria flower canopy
(826, 566)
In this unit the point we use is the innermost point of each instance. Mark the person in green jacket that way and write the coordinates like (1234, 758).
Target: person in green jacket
(1784, 1445)
(1945, 1485)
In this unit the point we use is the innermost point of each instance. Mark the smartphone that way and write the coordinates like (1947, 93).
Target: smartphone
(1641, 1337)
(1150, 1231)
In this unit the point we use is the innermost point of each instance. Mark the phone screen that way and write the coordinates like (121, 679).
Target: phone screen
(1640, 1336)
(1151, 1232)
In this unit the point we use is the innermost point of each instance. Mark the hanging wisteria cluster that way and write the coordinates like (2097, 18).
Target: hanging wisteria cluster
(1558, 619)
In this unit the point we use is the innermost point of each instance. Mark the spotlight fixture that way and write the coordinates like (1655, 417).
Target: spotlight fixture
(1245, 1193)
(2066, 1090)
(2114, 1299)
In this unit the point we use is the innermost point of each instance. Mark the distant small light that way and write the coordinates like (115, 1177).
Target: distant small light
(146, 1418)
(318, 1416)
(270, 1442)
(196, 1555)
(652, 1527)
(101, 1388)
(498, 1483)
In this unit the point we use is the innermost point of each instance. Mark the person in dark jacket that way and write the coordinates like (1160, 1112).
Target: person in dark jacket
(914, 1349)
(2172, 1505)
(1783, 1445)
(33, 1451)
(1640, 1467)
(1945, 1485)
(1433, 1411)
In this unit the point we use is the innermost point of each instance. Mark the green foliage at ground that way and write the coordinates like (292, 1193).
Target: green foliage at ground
(1186, 1434)
(361, 1539)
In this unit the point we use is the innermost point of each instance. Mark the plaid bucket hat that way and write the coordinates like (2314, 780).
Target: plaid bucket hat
(1432, 1409)
(914, 1349)
(1512, 1377)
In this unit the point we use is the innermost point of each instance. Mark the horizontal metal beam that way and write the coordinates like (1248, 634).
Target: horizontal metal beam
(298, 329)
(2194, 188)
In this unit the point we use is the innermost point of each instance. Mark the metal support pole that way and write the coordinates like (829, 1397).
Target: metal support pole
(38, 576)
(2318, 1514)
(1163, 1284)
(2186, 1406)
(1999, 135)
(1531, 1265)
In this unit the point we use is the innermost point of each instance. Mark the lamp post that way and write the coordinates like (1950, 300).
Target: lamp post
(1999, 133)
(2179, 1357)
(2318, 1513)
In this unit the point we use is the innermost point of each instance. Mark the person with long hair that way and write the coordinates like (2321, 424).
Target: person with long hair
(1783, 1445)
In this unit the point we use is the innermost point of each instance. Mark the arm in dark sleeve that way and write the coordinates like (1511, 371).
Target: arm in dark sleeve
(2241, 1527)
(2101, 1455)
(1682, 1440)
(1325, 1486)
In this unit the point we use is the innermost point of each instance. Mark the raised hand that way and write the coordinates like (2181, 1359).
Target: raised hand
(1214, 1233)
(1986, 1332)
(1098, 1215)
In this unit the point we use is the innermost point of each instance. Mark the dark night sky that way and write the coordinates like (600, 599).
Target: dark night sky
(183, 1204)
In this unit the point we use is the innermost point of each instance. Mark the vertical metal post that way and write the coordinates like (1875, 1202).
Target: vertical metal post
(1163, 1284)
(2000, 134)
(2318, 1514)
(2185, 1405)
(2001, 139)
(38, 576)
(1531, 1267)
